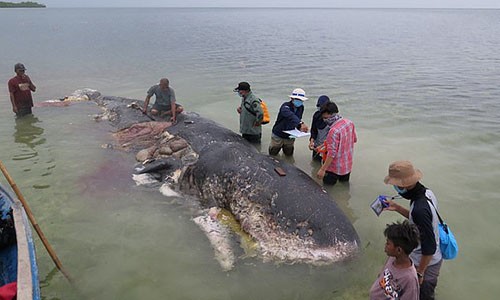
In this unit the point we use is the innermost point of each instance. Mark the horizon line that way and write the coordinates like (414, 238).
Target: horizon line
(274, 7)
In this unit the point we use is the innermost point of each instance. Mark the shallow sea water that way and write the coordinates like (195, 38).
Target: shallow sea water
(419, 85)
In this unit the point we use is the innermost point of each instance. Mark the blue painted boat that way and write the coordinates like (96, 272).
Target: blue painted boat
(18, 259)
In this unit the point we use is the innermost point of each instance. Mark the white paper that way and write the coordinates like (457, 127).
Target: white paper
(296, 133)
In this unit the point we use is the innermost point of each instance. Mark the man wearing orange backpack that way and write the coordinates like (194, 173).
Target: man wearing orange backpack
(251, 114)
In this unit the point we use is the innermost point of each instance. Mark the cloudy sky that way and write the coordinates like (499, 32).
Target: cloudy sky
(274, 3)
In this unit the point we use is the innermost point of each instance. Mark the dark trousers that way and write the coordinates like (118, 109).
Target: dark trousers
(316, 156)
(331, 178)
(430, 281)
(252, 138)
(21, 112)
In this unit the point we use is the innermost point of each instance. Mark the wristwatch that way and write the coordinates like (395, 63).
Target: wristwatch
(420, 275)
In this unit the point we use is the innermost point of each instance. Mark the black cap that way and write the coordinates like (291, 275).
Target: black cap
(322, 100)
(242, 86)
(19, 66)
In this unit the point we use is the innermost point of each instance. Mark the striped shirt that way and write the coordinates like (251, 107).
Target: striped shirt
(340, 145)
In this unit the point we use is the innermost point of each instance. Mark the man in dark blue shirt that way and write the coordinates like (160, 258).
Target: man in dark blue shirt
(427, 257)
(319, 128)
(289, 118)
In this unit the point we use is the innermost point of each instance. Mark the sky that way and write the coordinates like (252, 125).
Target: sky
(274, 3)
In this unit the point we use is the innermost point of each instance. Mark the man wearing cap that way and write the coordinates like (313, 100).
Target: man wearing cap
(319, 128)
(339, 145)
(289, 118)
(251, 114)
(427, 256)
(165, 100)
(20, 88)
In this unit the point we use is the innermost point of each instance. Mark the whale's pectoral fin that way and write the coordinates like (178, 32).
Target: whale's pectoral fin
(219, 225)
(219, 236)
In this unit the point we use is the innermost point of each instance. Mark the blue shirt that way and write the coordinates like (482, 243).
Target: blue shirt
(288, 118)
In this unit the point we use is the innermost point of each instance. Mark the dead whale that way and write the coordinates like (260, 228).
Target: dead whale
(290, 218)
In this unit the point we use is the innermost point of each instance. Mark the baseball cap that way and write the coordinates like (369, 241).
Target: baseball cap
(19, 66)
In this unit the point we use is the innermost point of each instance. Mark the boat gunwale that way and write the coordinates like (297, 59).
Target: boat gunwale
(27, 270)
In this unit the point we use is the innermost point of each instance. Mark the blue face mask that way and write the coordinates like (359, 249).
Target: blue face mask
(297, 103)
(400, 191)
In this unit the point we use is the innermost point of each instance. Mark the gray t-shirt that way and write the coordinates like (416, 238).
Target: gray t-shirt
(394, 283)
(163, 98)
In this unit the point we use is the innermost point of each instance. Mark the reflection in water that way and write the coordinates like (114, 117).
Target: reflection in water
(31, 138)
(340, 192)
(30, 135)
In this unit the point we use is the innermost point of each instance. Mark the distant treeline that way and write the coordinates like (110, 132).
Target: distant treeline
(21, 4)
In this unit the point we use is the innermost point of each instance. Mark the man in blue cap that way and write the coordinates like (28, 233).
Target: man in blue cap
(20, 88)
(319, 128)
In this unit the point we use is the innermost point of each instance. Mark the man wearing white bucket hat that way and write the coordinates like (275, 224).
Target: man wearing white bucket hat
(289, 118)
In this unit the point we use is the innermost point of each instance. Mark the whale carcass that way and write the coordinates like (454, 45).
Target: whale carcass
(290, 218)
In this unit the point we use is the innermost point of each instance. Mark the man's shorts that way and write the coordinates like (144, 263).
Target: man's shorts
(164, 108)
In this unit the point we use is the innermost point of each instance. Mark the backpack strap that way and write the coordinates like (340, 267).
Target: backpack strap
(247, 106)
(437, 212)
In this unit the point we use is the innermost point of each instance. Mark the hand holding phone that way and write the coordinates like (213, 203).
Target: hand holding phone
(379, 204)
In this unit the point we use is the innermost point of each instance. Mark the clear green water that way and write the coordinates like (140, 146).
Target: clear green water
(419, 85)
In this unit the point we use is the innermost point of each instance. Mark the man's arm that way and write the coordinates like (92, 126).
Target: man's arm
(314, 131)
(422, 266)
(422, 217)
(13, 101)
(173, 107)
(393, 206)
(324, 167)
(32, 86)
(146, 103)
(290, 116)
(173, 110)
(354, 132)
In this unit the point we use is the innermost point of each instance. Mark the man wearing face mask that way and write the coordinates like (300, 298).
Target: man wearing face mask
(289, 118)
(319, 129)
(426, 257)
(339, 145)
(251, 114)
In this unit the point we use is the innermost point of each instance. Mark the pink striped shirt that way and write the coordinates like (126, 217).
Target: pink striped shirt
(340, 145)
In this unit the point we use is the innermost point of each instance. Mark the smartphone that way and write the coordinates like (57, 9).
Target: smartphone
(379, 204)
(188, 122)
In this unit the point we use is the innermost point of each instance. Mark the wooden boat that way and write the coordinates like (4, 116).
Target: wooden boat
(17, 258)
